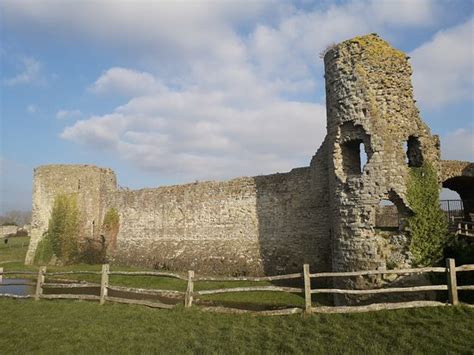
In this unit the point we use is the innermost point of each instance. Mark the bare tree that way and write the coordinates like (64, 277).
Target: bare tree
(19, 218)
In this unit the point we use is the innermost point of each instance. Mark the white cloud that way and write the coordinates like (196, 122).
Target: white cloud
(31, 73)
(167, 32)
(126, 82)
(290, 50)
(444, 67)
(173, 34)
(65, 114)
(405, 12)
(458, 145)
(221, 104)
(218, 96)
(197, 134)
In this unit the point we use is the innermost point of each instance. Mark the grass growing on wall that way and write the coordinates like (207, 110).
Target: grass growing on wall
(44, 251)
(63, 230)
(428, 226)
(110, 226)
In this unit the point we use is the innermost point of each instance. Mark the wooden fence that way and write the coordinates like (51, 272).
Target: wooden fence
(188, 296)
(465, 229)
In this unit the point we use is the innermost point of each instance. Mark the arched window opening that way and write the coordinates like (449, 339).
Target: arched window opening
(354, 157)
(452, 205)
(386, 216)
(462, 186)
(391, 213)
(448, 194)
(363, 156)
(405, 149)
(413, 152)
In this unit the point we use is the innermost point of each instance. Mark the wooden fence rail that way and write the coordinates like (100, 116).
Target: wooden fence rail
(188, 296)
(465, 229)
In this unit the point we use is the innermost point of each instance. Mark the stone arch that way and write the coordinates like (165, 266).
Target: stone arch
(392, 212)
(459, 176)
(464, 186)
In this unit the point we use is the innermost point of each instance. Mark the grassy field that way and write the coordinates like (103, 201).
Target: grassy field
(86, 327)
(47, 327)
(14, 250)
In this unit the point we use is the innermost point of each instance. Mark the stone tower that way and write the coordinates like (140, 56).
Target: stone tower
(89, 183)
(374, 135)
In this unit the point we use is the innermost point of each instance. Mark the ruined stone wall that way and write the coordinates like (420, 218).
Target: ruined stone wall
(245, 226)
(8, 231)
(370, 106)
(324, 214)
(456, 168)
(91, 185)
(459, 176)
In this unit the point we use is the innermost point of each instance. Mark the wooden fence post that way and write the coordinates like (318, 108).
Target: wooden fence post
(307, 289)
(188, 299)
(40, 282)
(452, 283)
(1, 274)
(104, 283)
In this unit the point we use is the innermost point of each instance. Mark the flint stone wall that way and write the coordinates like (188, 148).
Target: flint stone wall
(245, 226)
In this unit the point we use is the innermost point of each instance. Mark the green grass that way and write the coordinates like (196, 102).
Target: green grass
(14, 250)
(47, 327)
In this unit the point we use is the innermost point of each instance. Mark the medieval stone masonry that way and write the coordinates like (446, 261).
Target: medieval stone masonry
(329, 214)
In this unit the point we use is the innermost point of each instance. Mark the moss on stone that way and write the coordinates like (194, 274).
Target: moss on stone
(375, 48)
(44, 251)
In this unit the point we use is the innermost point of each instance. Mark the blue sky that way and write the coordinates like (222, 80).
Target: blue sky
(178, 91)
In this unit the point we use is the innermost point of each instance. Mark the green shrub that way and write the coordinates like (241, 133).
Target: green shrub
(44, 251)
(461, 250)
(63, 229)
(93, 252)
(110, 227)
(428, 226)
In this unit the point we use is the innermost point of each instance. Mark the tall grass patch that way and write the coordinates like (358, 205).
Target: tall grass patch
(428, 226)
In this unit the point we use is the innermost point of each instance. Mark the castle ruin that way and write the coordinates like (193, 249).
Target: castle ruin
(327, 214)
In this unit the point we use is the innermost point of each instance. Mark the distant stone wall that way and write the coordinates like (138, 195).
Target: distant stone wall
(456, 168)
(245, 226)
(8, 230)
